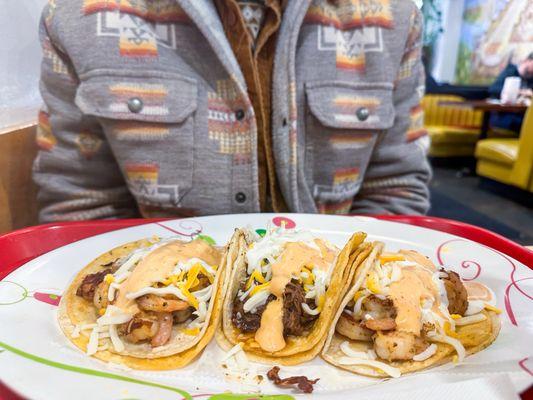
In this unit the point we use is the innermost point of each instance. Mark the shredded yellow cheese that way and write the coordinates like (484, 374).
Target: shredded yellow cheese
(193, 301)
(102, 311)
(257, 276)
(388, 257)
(492, 308)
(455, 359)
(192, 277)
(109, 279)
(358, 295)
(372, 283)
(320, 301)
(310, 276)
(191, 331)
(448, 330)
(259, 288)
(455, 316)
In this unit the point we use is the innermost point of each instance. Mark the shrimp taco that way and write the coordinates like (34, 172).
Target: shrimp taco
(403, 314)
(282, 293)
(150, 304)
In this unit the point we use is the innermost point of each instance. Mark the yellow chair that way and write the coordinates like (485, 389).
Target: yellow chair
(509, 161)
(454, 131)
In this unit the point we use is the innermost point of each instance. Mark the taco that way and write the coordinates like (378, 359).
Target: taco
(282, 293)
(403, 314)
(150, 304)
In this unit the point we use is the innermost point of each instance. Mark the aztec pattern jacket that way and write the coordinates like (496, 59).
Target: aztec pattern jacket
(146, 107)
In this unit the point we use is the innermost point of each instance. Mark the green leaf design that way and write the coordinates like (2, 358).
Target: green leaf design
(261, 232)
(102, 374)
(92, 372)
(207, 239)
(231, 396)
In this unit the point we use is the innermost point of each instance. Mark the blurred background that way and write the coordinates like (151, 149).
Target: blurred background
(481, 150)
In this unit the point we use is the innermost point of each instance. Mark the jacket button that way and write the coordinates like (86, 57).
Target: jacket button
(135, 105)
(240, 197)
(362, 113)
(239, 114)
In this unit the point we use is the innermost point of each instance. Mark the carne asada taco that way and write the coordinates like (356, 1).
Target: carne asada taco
(403, 314)
(283, 291)
(150, 304)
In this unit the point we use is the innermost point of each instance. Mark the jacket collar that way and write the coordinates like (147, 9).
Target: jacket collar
(205, 15)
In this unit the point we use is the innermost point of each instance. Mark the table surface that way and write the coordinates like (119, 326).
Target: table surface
(485, 105)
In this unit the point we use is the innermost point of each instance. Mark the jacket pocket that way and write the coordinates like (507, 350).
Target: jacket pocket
(149, 121)
(343, 122)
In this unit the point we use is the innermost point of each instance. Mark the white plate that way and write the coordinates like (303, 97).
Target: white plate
(40, 363)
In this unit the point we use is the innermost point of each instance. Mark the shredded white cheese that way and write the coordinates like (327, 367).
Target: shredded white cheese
(456, 344)
(113, 315)
(112, 290)
(271, 245)
(92, 346)
(255, 301)
(231, 352)
(474, 307)
(431, 349)
(115, 340)
(365, 355)
(309, 310)
(472, 319)
(171, 289)
(391, 371)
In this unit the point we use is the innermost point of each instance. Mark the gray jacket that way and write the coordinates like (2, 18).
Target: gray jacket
(145, 103)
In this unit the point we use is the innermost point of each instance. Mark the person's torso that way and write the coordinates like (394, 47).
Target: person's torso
(163, 82)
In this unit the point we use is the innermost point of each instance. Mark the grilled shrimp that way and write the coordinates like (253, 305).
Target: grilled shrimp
(378, 308)
(100, 295)
(140, 328)
(347, 326)
(164, 329)
(151, 302)
(383, 324)
(398, 345)
(182, 315)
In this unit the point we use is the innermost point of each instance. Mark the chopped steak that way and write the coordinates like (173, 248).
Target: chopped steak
(456, 291)
(302, 382)
(90, 282)
(248, 322)
(294, 318)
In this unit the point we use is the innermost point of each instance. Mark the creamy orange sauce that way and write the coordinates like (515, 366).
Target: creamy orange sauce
(416, 257)
(407, 295)
(270, 332)
(477, 291)
(294, 256)
(159, 264)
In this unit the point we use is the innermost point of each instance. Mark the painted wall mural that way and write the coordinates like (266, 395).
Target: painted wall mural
(493, 33)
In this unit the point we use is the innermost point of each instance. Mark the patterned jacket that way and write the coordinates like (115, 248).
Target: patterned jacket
(145, 103)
